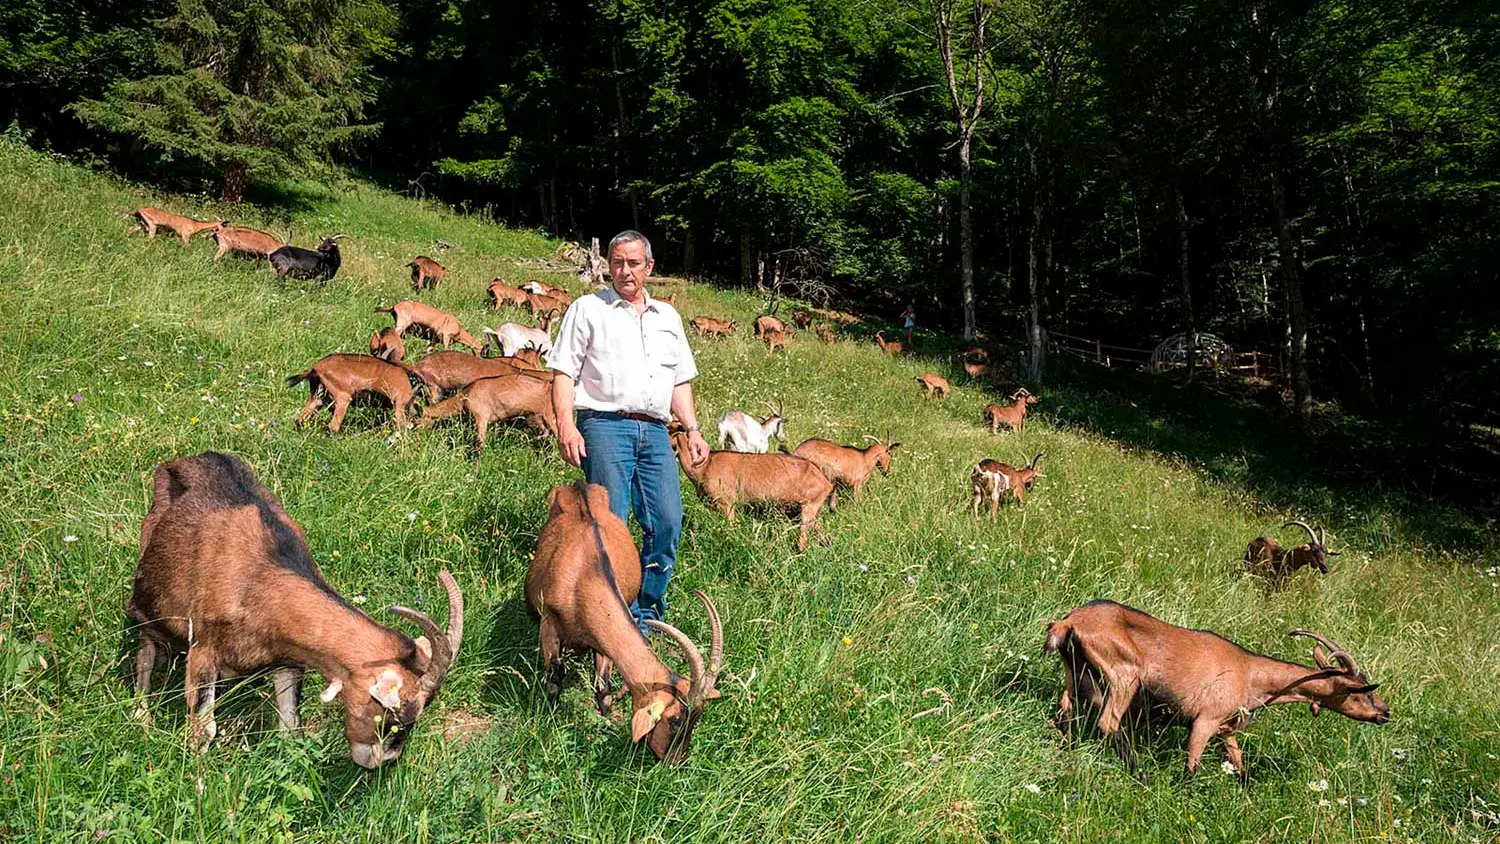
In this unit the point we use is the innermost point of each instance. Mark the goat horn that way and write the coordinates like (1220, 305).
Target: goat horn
(338, 237)
(716, 646)
(1312, 537)
(444, 645)
(1035, 460)
(870, 438)
(697, 687)
(1336, 651)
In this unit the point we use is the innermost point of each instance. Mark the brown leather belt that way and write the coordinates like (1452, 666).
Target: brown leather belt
(637, 417)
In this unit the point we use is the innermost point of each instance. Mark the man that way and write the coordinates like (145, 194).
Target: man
(623, 363)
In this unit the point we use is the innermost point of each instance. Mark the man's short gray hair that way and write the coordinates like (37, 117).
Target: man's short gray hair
(629, 236)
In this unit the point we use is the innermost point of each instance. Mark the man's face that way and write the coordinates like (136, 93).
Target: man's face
(629, 268)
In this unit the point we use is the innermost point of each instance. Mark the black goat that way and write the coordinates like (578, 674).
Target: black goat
(297, 262)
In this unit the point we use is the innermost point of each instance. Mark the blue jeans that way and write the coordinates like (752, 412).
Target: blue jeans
(633, 460)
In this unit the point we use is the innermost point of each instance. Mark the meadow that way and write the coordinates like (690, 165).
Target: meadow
(888, 687)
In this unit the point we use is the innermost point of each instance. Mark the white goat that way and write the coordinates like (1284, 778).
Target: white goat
(745, 433)
(536, 287)
(511, 337)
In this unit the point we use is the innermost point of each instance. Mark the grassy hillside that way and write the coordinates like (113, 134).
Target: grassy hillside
(888, 687)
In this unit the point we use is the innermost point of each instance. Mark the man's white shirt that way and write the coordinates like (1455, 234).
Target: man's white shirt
(621, 362)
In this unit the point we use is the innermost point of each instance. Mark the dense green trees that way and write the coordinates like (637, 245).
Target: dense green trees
(1312, 179)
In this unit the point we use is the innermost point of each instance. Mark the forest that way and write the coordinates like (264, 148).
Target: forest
(1314, 181)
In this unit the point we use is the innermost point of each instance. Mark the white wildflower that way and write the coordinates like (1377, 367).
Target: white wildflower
(1227, 767)
(411, 517)
(1318, 785)
(1033, 788)
(70, 538)
(1399, 753)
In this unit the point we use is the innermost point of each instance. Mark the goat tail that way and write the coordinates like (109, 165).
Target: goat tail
(294, 380)
(385, 310)
(1059, 636)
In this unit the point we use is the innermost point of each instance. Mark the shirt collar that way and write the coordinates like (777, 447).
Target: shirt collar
(614, 299)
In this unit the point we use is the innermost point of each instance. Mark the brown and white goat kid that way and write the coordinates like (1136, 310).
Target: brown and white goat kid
(775, 339)
(1012, 416)
(489, 400)
(226, 575)
(386, 344)
(846, 465)
(341, 377)
(1266, 557)
(728, 479)
(744, 433)
(444, 327)
(991, 480)
(186, 228)
(245, 241)
(584, 575)
(1123, 662)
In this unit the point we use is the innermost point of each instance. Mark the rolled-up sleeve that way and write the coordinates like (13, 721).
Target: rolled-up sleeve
(687, 368)
(572, 342)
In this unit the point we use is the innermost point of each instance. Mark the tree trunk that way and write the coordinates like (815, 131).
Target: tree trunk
(1289, 268)
(689, 252)
(1187, 286)
(747, 265)
(236, 177)
(1033, 281)
(966, 231)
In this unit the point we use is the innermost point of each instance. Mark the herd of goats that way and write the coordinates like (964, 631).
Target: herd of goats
(226, 575)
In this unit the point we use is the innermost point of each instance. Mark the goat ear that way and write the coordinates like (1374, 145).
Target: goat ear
(387, 689)
(893, 446)
(645, 720)
(332, 691)
(1364, 689)
(424, 653)
(713, 694)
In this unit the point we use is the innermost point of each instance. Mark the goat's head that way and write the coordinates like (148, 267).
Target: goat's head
(384, 699)
(1023, 395)
(331, 243)
(1350, 693)
(665, 717)
(775, 424)
(882, 450)
(545, 318)
(1027, 476)
(1316, 551)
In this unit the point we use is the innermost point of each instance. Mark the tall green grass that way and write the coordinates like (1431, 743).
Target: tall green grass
(888, 687)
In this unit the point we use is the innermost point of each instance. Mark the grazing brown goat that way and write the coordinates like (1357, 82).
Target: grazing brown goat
(775, 339)
(540, 303)
(226, 575)
(540, 289)
(802, 318)
(710, 327)
(1266, 557)
(444, 371)
(186, 228)
(1012, 416)
(386, 344)
(826, 334)
(503, 294)
(729, 478)
(767, 323)
(529, 357)
(976, 369)
(1123, 662)
(584, 575)
(426, 272)
(245, 241)
(342, 377)
(890, 347)
(847, 465)
(435, 323)
(992, 480)
(490, 400)
(933, 383)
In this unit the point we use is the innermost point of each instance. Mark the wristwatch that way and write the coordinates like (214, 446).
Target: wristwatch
(693, 428)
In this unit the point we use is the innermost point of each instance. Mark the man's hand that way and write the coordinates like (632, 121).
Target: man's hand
(570, 444)
(697, 447)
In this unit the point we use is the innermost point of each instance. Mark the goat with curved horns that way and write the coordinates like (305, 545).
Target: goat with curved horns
(582, 578)
(226, 575)
(1269, 559)
(1123, 661)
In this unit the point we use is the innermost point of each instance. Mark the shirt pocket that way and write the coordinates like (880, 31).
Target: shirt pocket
(666, 349)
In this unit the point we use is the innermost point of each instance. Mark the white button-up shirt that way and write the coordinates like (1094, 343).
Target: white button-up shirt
(619, 361)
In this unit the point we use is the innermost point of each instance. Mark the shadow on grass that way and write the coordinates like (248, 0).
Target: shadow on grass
(1347, 471)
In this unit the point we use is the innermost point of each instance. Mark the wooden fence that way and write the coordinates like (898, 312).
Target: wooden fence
(1250, 362)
